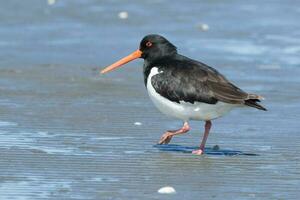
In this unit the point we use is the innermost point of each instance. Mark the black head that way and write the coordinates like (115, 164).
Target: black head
(152, 48)
(155, 46)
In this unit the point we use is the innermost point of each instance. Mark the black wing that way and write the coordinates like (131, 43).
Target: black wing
(196, 82)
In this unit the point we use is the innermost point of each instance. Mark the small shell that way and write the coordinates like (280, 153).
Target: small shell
(123, 15)
(51, 2)
(203, 27)
(137, 123)
(167, 190)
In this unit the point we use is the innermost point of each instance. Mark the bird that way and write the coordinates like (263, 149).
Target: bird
(184, 88)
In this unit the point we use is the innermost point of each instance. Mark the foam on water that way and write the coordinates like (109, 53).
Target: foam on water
(113, 138)
(32, 188)
(4, 124)
(39, 141)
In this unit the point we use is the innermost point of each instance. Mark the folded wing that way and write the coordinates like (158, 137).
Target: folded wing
(198, 82)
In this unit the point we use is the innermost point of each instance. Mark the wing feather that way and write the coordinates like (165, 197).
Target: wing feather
(197, 82)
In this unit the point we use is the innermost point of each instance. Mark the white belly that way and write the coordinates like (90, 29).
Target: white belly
(183, 110)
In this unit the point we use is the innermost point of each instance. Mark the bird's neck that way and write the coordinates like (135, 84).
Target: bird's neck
(159, 63)
(146, 70)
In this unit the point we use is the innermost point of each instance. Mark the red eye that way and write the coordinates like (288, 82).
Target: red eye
(149, 44)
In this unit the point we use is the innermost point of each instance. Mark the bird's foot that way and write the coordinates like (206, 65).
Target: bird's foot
(165, 138)
(198, 152)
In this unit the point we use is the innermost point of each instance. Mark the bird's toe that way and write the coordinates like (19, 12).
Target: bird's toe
(165, 139)
(198, 152)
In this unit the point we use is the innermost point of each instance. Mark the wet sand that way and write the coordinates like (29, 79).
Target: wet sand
(67, 132)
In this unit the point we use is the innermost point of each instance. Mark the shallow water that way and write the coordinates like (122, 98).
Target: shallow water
(68, 133)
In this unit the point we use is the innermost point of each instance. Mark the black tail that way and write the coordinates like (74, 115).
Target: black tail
(253, 103)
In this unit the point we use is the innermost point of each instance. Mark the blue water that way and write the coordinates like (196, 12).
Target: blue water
(66, 132)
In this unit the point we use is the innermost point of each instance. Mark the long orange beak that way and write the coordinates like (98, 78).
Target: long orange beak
(136, 54)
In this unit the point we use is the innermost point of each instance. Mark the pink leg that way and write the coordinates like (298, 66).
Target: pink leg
(205, 136)
(167, 136)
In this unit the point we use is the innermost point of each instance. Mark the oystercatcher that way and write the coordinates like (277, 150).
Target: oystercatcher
(184, 88)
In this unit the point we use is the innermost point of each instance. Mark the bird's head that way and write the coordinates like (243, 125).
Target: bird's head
(152, 47)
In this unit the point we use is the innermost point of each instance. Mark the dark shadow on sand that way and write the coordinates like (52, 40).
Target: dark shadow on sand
(208, 151)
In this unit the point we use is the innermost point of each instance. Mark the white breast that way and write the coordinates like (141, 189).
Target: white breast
(183, 110)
